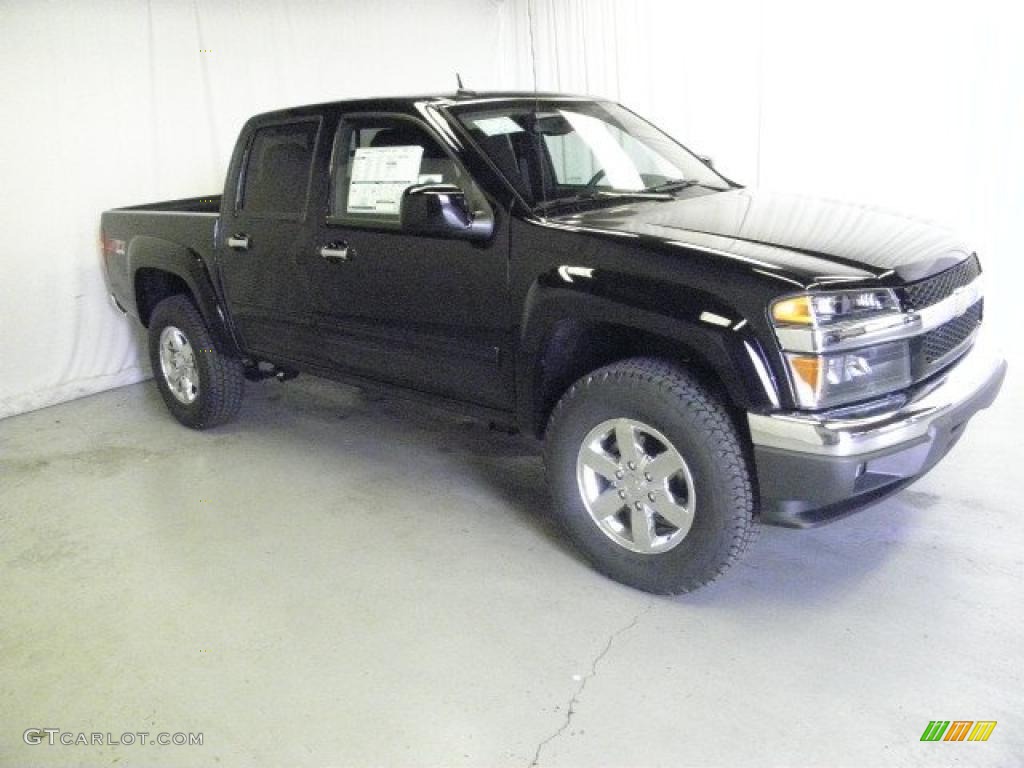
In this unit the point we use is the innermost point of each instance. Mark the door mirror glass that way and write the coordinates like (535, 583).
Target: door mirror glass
(442, 210)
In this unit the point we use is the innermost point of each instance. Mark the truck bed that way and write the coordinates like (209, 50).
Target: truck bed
(205, 204)
(131, 234)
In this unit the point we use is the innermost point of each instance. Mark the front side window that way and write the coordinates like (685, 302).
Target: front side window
(553, 150)
(377, 159)
(276, 181)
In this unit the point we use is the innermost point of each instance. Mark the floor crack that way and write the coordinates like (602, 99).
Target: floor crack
(570, 710)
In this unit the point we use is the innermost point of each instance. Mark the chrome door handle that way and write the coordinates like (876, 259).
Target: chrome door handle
(335, 252)
(238, 242)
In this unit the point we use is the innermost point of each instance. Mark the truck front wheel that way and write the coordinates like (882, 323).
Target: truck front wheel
(648, 476)
(201, 386)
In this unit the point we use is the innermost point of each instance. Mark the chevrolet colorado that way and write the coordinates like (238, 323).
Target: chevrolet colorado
(697, 356)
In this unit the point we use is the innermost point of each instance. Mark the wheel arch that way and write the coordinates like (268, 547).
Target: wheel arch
(160, 269)
(568, 333)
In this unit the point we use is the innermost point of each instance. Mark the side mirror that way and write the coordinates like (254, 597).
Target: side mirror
(708, 161)
(442, 210)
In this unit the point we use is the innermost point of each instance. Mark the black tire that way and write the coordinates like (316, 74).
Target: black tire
(221, 377)
(673, 402)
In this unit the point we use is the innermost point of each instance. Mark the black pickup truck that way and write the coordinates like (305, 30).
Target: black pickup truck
(696, 356)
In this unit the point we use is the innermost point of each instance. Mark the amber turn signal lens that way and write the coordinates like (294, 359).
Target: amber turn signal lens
(795, 311)
(808, 369)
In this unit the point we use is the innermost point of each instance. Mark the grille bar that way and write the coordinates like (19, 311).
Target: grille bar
(938, 344)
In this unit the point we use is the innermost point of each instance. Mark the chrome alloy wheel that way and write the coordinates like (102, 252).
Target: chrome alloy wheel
(178, 365)
(636, 486)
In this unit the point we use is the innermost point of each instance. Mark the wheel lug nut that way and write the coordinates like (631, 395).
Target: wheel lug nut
(618, 474)
(651, 496)
(647, 476)
(631, 465)
(639, 505)
(622, 494)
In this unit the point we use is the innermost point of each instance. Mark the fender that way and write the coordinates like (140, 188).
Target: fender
(146, 252)
(697, 324)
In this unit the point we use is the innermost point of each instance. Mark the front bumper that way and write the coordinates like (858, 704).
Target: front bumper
(812, 469)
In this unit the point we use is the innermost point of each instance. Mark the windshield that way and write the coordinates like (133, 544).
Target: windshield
(553, 151)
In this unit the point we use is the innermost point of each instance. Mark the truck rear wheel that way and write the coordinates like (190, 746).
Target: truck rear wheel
(201, 386)
(649, 477)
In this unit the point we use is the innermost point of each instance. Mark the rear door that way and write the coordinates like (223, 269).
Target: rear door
(428, 313)
(265, 233)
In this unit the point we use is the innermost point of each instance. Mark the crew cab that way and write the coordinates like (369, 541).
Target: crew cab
(697, 357)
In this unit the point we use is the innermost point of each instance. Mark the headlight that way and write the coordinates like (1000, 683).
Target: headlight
(823, 381)
(838, 345)
(822, 309)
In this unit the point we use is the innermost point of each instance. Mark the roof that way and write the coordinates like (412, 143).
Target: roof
(402, 103)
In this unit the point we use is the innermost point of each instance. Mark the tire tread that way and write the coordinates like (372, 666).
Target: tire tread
(223, 393)
(677, 385)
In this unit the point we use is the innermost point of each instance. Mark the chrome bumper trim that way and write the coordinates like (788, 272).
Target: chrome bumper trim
(969, 385)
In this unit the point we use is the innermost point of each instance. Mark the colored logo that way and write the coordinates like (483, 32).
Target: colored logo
(958, 730)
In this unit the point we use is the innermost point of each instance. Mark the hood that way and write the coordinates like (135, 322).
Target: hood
(811, 240)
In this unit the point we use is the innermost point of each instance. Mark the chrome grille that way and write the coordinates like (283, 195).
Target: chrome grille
(934, 289)
(937, 343)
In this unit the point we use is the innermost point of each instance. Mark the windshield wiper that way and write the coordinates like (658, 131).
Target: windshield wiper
(674, 185)
(602, 194)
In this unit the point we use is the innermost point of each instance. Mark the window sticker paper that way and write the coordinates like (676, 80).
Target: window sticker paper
(379, 177)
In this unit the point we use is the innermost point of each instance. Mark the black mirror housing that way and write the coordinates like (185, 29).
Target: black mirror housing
(442, 210)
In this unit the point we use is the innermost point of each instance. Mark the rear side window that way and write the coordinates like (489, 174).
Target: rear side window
(276, 181)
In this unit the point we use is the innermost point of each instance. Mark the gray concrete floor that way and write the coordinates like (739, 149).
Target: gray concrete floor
(336, 582)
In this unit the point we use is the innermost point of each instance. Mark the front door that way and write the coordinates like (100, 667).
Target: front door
(427, 313)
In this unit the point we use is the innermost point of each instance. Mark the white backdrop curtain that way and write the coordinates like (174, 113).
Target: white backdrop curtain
(918, 107)
(109, 103)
